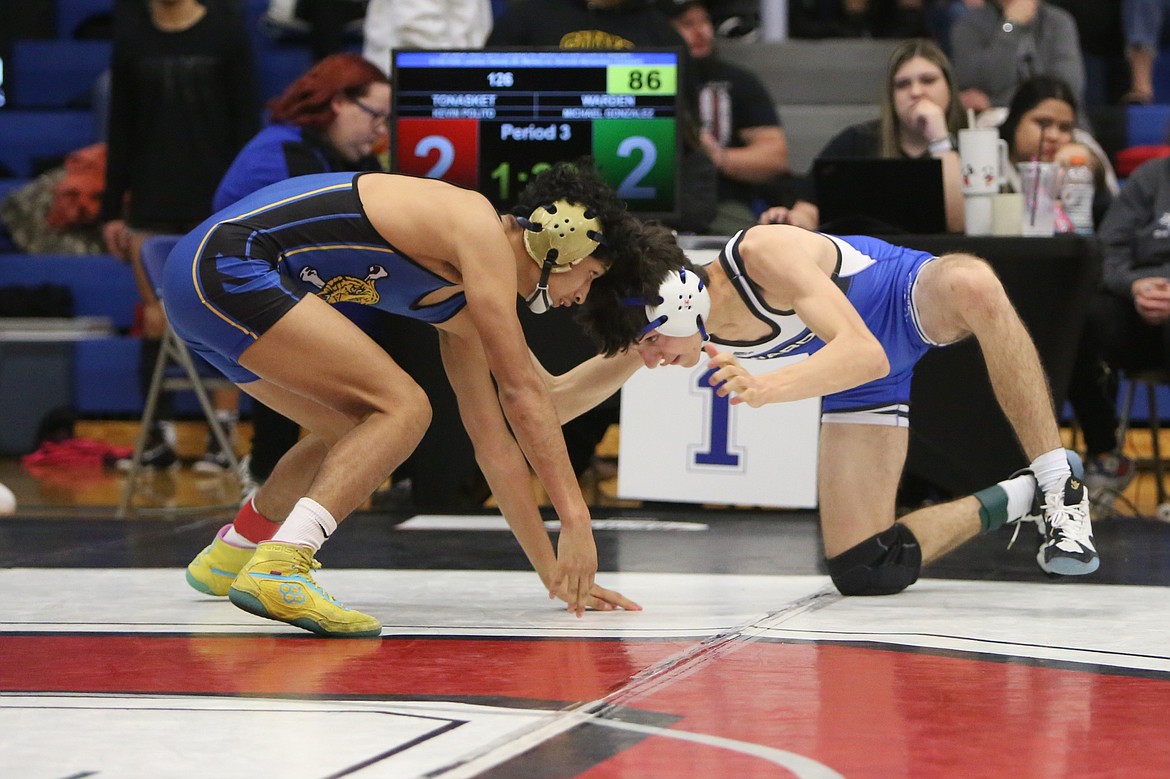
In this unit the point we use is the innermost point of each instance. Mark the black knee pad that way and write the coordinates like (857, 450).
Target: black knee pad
(883, 564)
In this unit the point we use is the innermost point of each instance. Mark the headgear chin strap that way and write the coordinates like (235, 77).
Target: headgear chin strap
(682, 305)
(558, 236)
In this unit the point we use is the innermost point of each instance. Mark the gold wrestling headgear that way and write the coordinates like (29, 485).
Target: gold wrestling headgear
(557, 237)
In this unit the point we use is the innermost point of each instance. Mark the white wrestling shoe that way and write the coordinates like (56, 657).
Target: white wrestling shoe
(1063, 520)
(1067, 548)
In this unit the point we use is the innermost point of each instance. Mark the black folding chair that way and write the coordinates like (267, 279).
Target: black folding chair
(1151, 380)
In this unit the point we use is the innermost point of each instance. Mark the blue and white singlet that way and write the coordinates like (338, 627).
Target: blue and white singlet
(878, 278)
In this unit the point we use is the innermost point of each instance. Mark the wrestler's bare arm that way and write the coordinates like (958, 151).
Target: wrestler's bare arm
(589, 383)
(486, 260)
(791, 269)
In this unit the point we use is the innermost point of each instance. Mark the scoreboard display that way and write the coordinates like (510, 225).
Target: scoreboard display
(489, 120)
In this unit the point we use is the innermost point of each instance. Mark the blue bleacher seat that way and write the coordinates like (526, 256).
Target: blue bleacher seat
(253, 10)
(8, 185)
(105, 381)
(1148, 125)
(56, 74)
(101, 284)
(105, 370)
(1162, 72)
(29, 136)
(71, 13)
(280, 66)
(105, 377)
(1139, 414)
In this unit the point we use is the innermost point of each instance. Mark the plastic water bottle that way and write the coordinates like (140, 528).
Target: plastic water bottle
(1076, 196)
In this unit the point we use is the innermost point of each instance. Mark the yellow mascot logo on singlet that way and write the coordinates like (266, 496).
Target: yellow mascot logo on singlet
(346, 289)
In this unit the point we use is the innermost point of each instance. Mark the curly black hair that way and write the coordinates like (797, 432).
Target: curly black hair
(581, 182)
(639, 254)
(650, 253)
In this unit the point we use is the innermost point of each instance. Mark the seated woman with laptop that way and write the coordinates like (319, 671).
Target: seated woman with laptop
(920, 115)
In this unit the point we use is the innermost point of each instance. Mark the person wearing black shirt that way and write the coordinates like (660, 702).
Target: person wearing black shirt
(741, 131)
(182, 103)
(584, 24)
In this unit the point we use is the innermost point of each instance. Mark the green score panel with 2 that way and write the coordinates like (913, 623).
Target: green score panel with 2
(497, 158)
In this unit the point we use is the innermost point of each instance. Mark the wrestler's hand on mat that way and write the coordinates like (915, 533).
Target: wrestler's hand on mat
(731, 378)
(572, 581)
(601, 599)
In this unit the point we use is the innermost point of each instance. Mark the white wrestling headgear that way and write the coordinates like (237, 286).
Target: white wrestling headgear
(682, 306)
(558, 236)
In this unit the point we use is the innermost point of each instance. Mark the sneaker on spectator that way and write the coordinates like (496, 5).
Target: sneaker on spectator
(158, 456)
(249, 486)
(1108, 472)
(214, 460)
(159, 451)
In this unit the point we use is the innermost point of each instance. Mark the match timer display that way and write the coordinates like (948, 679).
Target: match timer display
(491, 120)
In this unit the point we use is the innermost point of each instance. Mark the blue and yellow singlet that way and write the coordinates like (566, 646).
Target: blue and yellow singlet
(233, 277)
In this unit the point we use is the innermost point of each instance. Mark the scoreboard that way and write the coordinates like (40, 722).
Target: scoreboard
(489, 120)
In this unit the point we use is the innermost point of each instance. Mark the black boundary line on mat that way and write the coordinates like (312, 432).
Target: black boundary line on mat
(990, 657)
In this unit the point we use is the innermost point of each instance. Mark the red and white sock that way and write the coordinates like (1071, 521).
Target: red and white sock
(250, 527)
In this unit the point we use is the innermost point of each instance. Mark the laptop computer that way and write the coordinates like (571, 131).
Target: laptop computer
(877, 195)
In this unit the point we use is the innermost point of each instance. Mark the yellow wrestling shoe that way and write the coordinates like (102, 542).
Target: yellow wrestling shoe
(277, 583)
(213, 570)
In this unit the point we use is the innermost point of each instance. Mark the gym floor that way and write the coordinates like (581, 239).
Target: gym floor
(745, 662)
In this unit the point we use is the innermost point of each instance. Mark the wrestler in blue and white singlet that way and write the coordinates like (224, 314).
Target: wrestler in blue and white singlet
(232, 278)
(879, 280)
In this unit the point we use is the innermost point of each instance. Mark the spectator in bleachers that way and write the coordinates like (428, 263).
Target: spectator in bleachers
(583, 24)
(182, 103)
(423, 24)
(919, 118)
(1102, 45)
(57, 212)
(863, 18)
(333, 118)
(941, 16)
(997, 46)
(1041, 124)
(741, 130)
(1129, 318)
(1143, 21)
(884, 18)
(325, 25)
